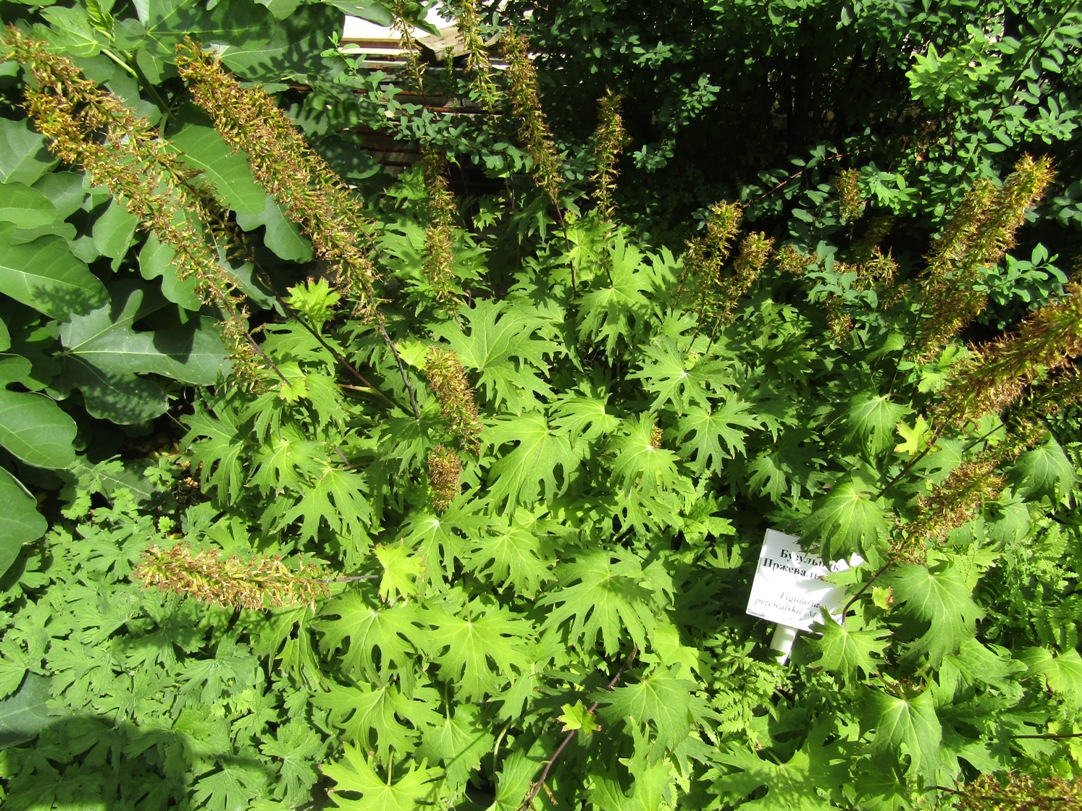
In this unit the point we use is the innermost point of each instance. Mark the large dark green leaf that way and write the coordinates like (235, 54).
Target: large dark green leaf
(23, 157)
(24, 715)
(20, 521)
(64, 190)
(45, 275)
(156, 260)
(105, 357)
(35, 429)
(377, 13)
(114, 231)
(294, 48)
(280, 235)
(167, 22)
(25, 207)
(225, 170)
(70, 31)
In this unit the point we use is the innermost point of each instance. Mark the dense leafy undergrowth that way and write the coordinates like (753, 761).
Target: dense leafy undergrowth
(470, 518)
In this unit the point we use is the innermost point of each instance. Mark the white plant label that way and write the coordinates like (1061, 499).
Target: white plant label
(789, 588)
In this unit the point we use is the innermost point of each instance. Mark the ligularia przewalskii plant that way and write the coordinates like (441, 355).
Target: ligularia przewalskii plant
(470, 517)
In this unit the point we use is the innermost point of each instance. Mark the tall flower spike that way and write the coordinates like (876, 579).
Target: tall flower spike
(282, 162)
(468, 22)
(444, 471)
(526, 106)
(1020, 791)
(87, 126)
(754, 251)
(980, 232)
(439, 232)
(408, 44)
(610, 141)
(705, 257)
(846, 186)
(448, 382)
(207, 575)
(1047, 340)
(1061, 390)
(957, 499)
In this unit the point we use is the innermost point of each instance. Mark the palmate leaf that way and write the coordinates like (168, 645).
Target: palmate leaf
(846, 520)
(603, 594)
(286, 461)
(583, 419)
(977, 664)
(514, 553)
(1044, 471)
(805, 782)
(640, 464)
(660, 702)
(353, 773)
(871, 420)
(787, 467)
(651, 790)
(847, 652)
(1062, 672)
(611, 314)
(458, 743)
(336, 499)
(373, 640)
(478, 645)
(937, 606)
(286, 639)
(528, 473)
(219, 450)
(506, 346)
(403, 572)
(441, 540)
(295, 748)
(381, 717)
(703, 431)
(678, 378)
(905, 727)
(234, 784)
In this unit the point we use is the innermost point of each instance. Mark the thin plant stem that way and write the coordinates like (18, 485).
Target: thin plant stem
(401, 366)
(527, 803)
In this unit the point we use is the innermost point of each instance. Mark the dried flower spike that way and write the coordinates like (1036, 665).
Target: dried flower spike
(444, 472)
(88, 127)
(448, 382)
(977, 236)
(207, 575)
(468, 22)
(282, 162)
(532, 127)
(610, 140)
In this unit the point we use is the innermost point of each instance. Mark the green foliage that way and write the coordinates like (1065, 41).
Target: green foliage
(171, 690)
(534, 503)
